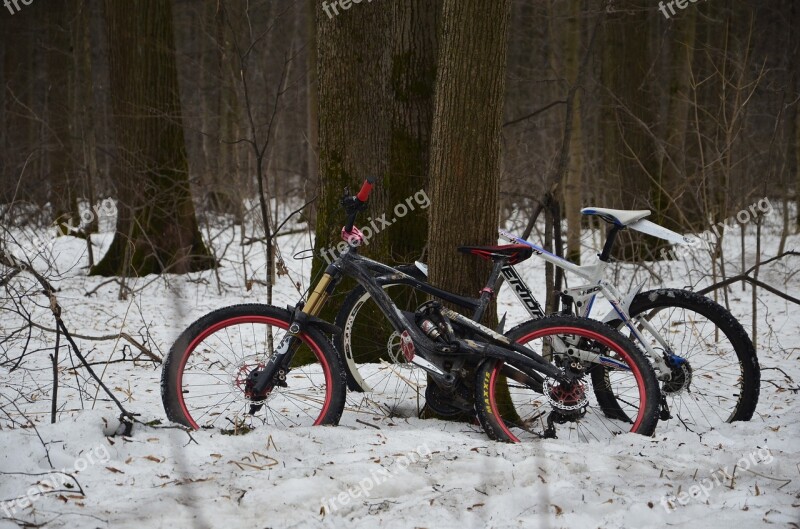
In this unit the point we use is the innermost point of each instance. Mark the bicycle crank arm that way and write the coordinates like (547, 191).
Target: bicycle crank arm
(427, 366)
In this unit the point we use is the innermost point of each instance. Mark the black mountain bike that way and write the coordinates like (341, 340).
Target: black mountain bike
(247, 365)
(703, 357)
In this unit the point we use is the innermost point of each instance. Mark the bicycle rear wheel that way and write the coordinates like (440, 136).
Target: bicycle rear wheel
(719, 379)
(371, 352)
(513, 412)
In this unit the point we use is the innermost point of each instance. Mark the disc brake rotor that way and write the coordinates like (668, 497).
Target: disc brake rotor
(242, 380)
(568, 399)
(395, 351)
(680, 381)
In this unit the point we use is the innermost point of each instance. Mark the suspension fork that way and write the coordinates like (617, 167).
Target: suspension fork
(278, 363)
(662, 366)
(323, 289)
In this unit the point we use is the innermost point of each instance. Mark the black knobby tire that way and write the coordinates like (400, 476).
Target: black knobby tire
(213, 356)
(511, 412)
(725, 375)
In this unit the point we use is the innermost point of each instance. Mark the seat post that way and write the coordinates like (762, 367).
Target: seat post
(488, 291)
(610, 239)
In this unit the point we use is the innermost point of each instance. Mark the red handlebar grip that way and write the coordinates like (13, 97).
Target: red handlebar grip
(363, 195)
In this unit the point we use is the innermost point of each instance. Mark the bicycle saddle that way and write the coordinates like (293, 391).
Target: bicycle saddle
(514, 253)
(618, 217)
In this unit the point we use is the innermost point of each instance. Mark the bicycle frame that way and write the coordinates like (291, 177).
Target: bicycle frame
(585, 294)
(363, 270)
(528, 366)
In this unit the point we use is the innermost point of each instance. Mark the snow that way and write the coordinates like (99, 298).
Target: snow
(398, 472)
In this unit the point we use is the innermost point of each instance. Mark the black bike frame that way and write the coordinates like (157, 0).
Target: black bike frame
(363, 270)
(529, 365)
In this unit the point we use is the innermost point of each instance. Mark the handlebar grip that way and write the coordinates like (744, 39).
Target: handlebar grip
(366, 189)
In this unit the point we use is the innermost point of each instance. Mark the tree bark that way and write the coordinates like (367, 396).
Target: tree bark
(87, 117)
(573, 182)
(59, 92)
(412, 85)
(465, 140)
(795, 61)
(354, 112)
(673, 181)
(630, 163)
(156, 226)
(312, 105)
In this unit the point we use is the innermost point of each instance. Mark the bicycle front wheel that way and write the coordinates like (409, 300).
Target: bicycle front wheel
(512, 411)
(204, 383)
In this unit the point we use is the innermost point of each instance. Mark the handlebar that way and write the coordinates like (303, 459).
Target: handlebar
(354, 204)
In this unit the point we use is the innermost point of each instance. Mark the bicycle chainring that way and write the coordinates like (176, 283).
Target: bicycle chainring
(450, 403)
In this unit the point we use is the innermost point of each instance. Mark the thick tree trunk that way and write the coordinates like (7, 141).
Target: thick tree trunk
(156, 225)
(354, 113)
(465, 141)
(412, 85)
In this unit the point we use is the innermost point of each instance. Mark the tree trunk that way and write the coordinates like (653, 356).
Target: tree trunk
(87, 117)
(4, 130)
(573, 182)
(795, 61)
(673, 181)
(465, 141)
(312, 104)
(630, 164)
(62, 168)
(156, 226)
(224, 198)
(412, 85)
(353, 114)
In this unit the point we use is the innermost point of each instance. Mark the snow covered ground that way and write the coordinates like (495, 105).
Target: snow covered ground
(400, 472)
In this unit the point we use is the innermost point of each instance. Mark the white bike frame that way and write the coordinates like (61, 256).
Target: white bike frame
(584, 295)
